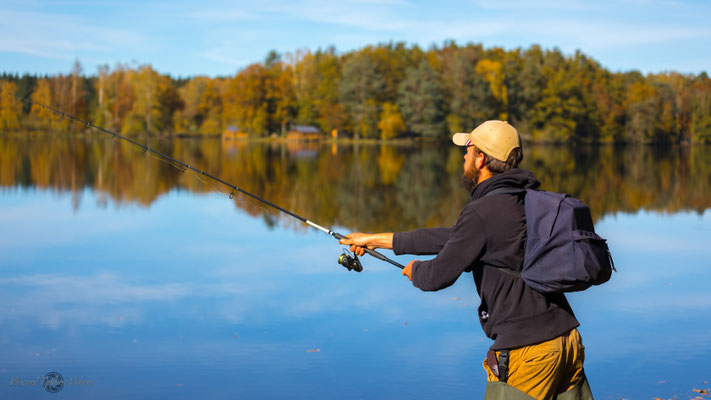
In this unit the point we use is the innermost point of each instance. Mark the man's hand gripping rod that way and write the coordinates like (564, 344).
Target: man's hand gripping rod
(367, 250)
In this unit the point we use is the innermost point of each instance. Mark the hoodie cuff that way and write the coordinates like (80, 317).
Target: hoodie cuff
(403, 243)
(415, 281)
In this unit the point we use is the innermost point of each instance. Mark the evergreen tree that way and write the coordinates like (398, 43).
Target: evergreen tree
(421, 101)
(360, 87)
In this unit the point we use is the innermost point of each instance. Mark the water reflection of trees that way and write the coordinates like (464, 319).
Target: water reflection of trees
(364, 187)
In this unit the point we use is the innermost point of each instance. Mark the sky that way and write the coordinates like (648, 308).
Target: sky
(218, 38)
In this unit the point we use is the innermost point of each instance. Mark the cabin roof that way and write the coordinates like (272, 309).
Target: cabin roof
(305, 129)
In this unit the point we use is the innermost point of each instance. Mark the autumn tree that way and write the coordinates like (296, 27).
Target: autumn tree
(191, 116)
(10, 107)
(555, 116)
(305, 81)
(102, 113)
(331, 112)
(210, 107)
(279, 93)
(391, 124)
(44, 118)
(700, 105)
(156, 100)
(245, 100)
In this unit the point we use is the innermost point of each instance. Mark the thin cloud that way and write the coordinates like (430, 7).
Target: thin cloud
(599, 35)
(60, 36)
(517, 5)
(217, 15)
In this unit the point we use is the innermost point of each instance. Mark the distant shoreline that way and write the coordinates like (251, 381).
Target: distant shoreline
(352, 141)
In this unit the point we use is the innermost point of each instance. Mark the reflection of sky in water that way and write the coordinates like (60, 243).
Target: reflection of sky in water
(191, 296)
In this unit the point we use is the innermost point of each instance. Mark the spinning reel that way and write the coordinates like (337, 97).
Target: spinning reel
(350, 261)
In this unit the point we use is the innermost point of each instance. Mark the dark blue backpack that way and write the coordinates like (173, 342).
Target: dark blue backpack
(563, 252)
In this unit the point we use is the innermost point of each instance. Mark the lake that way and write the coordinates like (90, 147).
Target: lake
(134, 279)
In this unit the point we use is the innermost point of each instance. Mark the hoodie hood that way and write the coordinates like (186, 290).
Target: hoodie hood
(514, 178)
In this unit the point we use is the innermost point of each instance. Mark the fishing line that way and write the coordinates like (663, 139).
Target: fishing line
(353, 263)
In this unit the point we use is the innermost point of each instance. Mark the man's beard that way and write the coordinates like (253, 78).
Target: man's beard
(470, 179)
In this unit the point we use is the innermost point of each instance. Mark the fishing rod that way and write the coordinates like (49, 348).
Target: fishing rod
(348, 260)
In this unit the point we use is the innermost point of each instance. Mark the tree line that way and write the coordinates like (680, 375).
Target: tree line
(385, 91)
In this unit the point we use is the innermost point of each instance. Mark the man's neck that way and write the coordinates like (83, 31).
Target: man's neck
(484, 174)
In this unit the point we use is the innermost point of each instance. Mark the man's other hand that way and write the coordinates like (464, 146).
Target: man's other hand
(407, 271)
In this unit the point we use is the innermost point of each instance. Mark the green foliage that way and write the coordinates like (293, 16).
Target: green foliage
(421, 100)
(469, 97)
(362, 85)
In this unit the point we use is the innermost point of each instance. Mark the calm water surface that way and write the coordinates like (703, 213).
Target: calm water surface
(141, 281)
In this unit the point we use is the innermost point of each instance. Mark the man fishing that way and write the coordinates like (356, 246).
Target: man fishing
(537, 350)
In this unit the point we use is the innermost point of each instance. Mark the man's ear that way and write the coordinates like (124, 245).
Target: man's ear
(479, 160)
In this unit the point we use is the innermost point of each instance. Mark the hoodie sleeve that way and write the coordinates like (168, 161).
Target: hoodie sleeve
(464, 247)
(421, 241)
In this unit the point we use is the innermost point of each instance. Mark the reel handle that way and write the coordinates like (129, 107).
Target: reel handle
(373, 253)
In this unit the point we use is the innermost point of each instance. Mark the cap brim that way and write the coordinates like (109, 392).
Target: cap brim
(461, 139)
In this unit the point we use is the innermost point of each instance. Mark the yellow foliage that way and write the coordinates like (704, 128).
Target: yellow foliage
(43, 95)
(492, 71)
(10, 107)
(391, 123)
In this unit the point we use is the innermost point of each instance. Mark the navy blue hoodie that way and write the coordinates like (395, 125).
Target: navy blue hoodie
(490, 234)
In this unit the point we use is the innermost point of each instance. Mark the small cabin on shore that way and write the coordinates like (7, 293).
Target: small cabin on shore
(303, 132)
(234, 132)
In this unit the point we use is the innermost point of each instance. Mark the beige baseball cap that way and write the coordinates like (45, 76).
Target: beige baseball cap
(495, 138)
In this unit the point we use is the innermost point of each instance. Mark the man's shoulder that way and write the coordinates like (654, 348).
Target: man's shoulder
(477, 209)
(487, 200)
